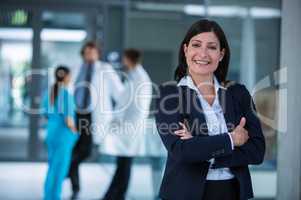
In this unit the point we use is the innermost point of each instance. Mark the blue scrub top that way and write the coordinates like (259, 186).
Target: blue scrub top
(56, 114)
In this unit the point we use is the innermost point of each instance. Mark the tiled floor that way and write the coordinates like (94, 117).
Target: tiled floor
(24, 181)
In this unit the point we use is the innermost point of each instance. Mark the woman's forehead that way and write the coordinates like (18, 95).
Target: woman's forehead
(205, 37)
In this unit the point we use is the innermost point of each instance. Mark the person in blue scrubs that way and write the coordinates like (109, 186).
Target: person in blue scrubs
(59, 110)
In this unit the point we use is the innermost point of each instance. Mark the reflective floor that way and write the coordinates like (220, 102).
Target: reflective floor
(25, 181)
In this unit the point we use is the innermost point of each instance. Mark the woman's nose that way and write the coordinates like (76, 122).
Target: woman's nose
(203, 52)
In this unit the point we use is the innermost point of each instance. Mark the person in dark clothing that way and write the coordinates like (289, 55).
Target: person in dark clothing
(96, 85)
(207, 124)
(83, 148)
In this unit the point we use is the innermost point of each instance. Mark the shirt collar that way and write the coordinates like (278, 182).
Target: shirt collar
(187, 81)
(134, 70)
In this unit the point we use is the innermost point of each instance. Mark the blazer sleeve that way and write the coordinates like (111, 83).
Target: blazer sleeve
(252, 152)
(194, 150)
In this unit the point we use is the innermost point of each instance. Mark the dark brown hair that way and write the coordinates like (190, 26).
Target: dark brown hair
(133, 55)
(60, 74)
(201, 26)
(90, 44)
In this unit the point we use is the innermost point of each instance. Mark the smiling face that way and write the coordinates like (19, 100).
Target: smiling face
(203, 54)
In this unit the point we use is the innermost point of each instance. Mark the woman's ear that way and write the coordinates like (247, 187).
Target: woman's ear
(185, 49)
(223, 51)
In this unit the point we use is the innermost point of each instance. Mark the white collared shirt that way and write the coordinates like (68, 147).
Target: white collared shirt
(215, 122)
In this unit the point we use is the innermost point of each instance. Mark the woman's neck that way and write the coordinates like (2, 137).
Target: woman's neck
(62, 84)
(203, 81)
(205, 85)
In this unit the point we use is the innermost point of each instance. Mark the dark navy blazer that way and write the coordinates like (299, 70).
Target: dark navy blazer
(187, 162)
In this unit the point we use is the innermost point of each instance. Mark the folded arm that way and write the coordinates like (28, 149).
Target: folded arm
(195, 149)
(252, 152)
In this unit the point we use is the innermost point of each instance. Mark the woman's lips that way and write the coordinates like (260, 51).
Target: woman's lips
(201, 62)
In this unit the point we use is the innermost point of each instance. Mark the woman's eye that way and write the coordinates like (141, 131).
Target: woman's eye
(212, 47)
(196, 45)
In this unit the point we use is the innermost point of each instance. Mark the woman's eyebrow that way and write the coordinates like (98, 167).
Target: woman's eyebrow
(196, 40)
(215, 43)
(201, 41)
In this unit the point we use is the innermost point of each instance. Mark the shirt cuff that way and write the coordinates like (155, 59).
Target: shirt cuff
(232, 145)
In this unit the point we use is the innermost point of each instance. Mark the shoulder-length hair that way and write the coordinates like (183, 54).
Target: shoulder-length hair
(201, 26)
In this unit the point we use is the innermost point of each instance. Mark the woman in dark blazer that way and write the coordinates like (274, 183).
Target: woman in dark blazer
(208, 125)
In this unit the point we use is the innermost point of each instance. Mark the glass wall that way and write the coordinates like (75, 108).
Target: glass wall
(15, 59)
(61, 36)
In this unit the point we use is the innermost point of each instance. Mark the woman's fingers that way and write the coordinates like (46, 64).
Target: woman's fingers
(183, 133)
(183, 125)
(180, 132)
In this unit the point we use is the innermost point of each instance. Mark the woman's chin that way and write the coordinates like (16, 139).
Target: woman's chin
(202, 72)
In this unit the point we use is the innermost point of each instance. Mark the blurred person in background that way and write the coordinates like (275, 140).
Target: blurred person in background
(126, 139)
(208, 125)
(59, 110)
(96, 84)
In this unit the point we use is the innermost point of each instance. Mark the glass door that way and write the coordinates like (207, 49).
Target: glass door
(61, 38)
(15, 59)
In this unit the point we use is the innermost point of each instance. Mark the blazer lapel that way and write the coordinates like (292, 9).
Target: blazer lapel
(194, 111)
(226, 102)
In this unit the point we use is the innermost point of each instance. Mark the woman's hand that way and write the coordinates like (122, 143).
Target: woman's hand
(183, 133)
(240, 135)
(71, 125)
